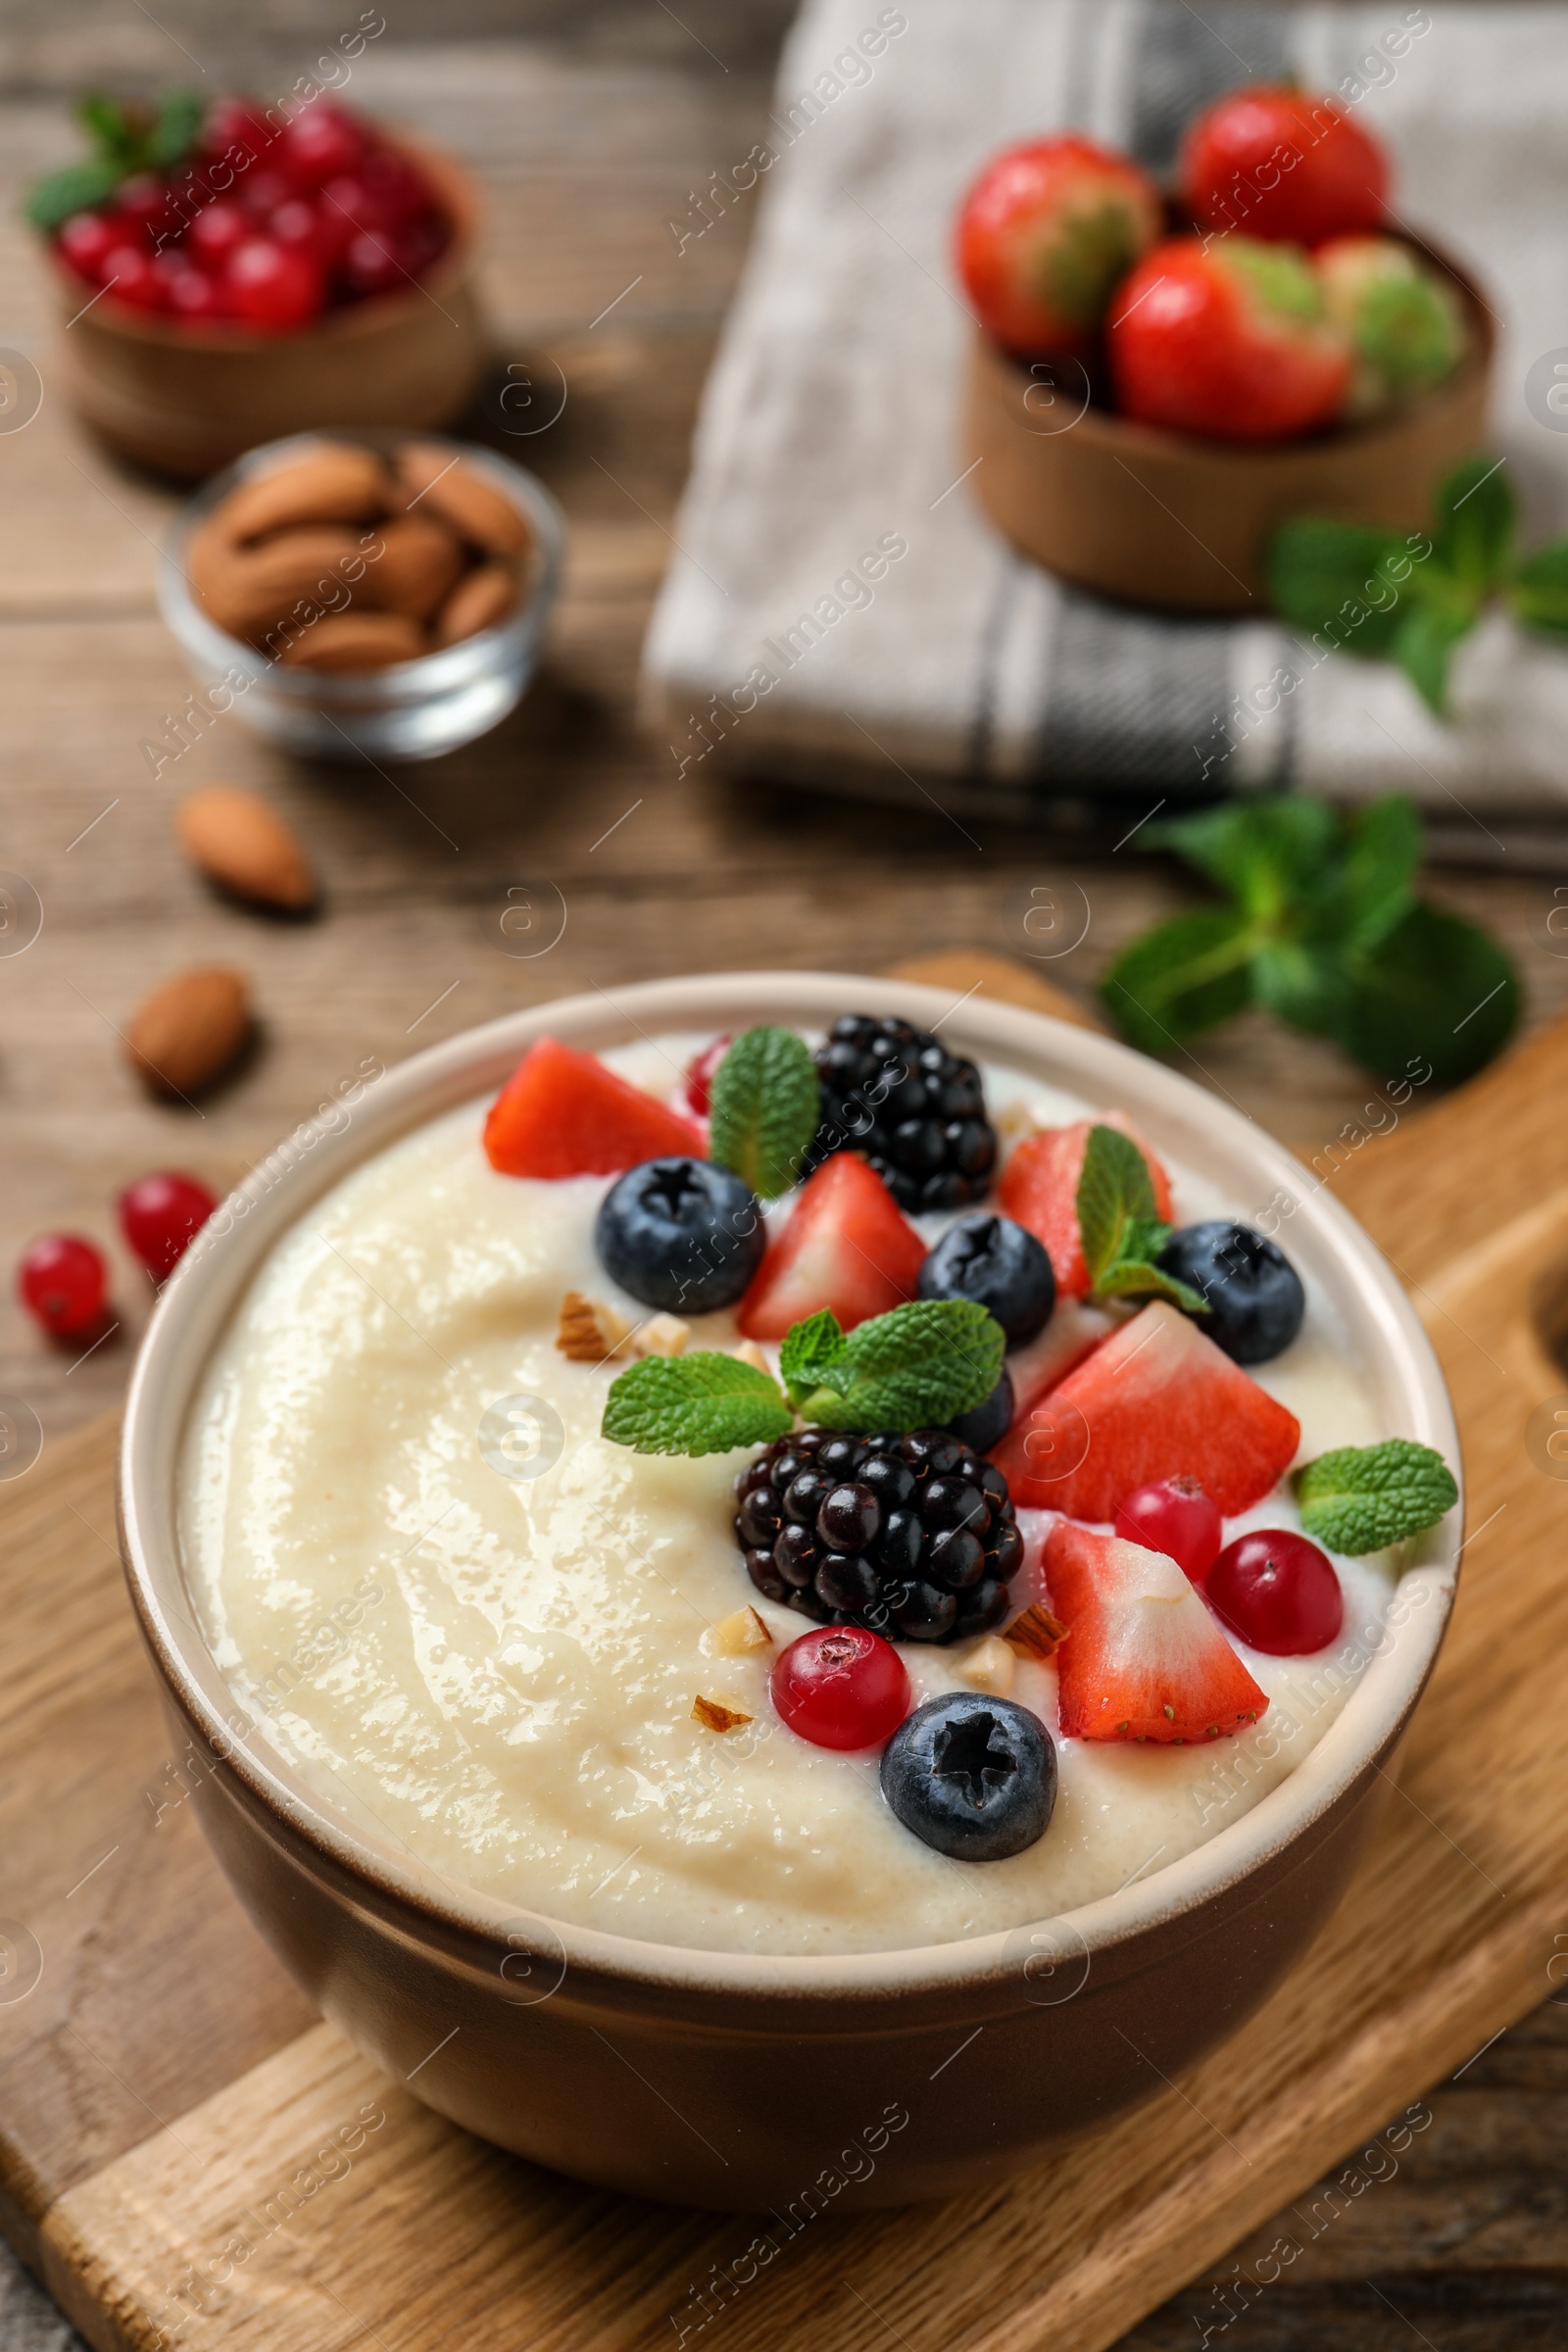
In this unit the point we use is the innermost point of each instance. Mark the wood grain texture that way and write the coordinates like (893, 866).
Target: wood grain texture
(306, 2197)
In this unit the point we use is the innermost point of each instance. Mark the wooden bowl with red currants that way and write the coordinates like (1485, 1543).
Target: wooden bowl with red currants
(230, 272)
(1162, 378)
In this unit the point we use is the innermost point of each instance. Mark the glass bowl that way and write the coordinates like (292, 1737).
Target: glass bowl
(409, 710)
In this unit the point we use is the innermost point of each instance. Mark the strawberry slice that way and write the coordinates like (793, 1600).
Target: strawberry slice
(1039, 1189)
(563, 1114)
(847, 1246)
(1142, 1658)
(1157, 1399)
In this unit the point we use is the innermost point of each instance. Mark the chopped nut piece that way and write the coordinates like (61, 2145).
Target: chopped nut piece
(1013, 1121)
(714, 1716)
(742, 1631)
(663, 1335)
(989, 1666)
(748, 1353)
(589, 1330)
(1036, 1634)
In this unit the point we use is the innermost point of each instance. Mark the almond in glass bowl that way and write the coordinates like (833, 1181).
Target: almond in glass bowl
(365, 594)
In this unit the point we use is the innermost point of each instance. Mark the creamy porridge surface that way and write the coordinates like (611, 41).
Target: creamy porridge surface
(496, 1674)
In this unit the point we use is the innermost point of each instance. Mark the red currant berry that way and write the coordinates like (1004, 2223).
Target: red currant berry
(321, 142)
(235, 125)
(1277, 1593)
(195, 297)
(370, 264)
(131, 277)
(84, 241)
(62, 1282)
(216, 231)
(700, 1076)
(161, 1217)
(393, 185)
(1176, 1517)
(296, 225)
(142, 203)
(263, 189)
(268, 286)
(842, 1686)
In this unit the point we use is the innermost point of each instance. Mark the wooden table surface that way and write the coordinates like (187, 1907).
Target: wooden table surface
(589, 127)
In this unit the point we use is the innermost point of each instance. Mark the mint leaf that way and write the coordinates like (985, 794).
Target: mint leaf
(812, 1353)
(116, 131)
(1423, 643)
(1302, 983)
(1538, 595)
(1360, 1497)
(1114, 1191)
(1263, 850)
(75, 188)
(916, 1367)
(1181, 977)
(702, 1403)
(1341, 580)
(1475, 524)
(1137, 1278)
(174, 134)
(1121, 1232)
(1435, 989)
(1382, 860)
(764, 1109)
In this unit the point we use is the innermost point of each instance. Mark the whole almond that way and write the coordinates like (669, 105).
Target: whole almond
(486, 596)
(253, 591)
(188, 1032)
(432, 479)
(419, 562)
(237, 841)
(357, 641)
(335, 484)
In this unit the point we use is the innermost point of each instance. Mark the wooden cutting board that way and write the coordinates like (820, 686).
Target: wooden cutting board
(173, 2120)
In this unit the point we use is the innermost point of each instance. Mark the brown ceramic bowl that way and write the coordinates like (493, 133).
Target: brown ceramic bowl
(187, 400)
(1162, 518)
(731, 2079)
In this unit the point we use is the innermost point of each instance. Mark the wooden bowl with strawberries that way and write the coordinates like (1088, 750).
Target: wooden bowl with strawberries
(1161, 380)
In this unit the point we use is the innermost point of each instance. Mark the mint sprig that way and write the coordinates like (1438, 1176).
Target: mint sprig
(764, 1109)
(916, 1367)
(1411, 599)
(1323, 928)
(702, 1403)
(1121, 1230)
(125, 138)
(1361, 1497)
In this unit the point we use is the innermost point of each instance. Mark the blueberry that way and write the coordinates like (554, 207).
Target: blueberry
(974, 1777)
(999, 1266)
(683, 1235)
(1255, 1293)
(987, 1423)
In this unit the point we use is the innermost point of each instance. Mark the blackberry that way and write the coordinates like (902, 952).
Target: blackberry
(916, 1111)
(910, 1536)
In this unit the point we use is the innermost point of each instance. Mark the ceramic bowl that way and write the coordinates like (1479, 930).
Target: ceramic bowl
(1162, 518)
(188, 400)
(732, 2079)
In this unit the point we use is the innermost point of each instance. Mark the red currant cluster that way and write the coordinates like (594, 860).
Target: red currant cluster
(265, 225)
(63, 1280)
